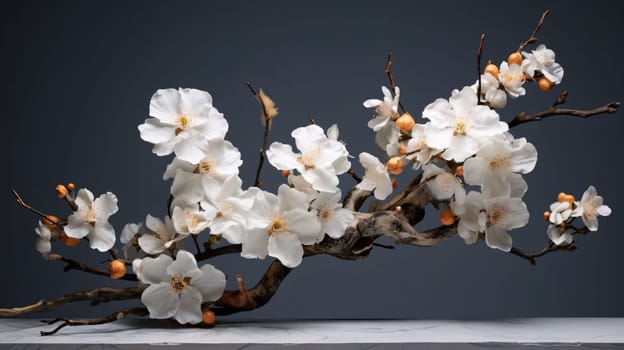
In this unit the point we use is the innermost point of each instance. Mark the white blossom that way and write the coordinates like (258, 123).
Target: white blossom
(321, 159)
(183, 120)
(43, 244)
(91, 219)
(560, 235)
(491, 93)
(512, 78)
(444, 185)
(130, 239)
(386, 109)
(417, 149)
(161, 235)
(192, 219)
(178, 288)
(561, 212)
(591, 206)
(542, 60)
(334, 219)
(232, 205)
(375, 176)
(459, 125)
(278, 226)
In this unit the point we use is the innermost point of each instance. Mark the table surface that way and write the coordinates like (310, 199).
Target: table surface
(573, 331)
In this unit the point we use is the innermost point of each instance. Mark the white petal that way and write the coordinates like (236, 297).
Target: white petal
(305, 225)
(160, 300)
(255, 243)
(383, 187)
(378, 123)
(290, 198)
(164, 105)
(211, 283)
(184, 265)
(105, 205)
(340, 220)
(76, 228)
(195, 102)
(84, 199)
(307, 135)
(193, 149)
(155, 132)
(287, 248)
(498, 238)
(604, 210)
(323, 180)
(102, 237)
(460, 148)
(282, 157)
(474, 170)
(189, 310)
(370, 103)
(151, 244)
(524, 159)
(43, 246)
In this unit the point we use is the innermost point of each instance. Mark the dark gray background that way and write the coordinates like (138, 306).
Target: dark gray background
(77, 77)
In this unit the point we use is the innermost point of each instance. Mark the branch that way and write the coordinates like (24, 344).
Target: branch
(23, 204)
(392, 81)
(211, 253)
(553, 111)
(533, 38)
(140, 311)
(479, 54)
(267, 127)
(76, 265)
(95, 296)
(550, 247)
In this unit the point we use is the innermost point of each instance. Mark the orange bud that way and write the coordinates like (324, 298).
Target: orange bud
(402, 149)
(69, 241)
(546, 215)
(492, 69)
(117, 269)
(285, 173)
(515, 57)
(459, 171)
(447, 217)
(71, 186)
(395, 165)
(397, 209)
(50, 221)
(561, 197)
(395, 183)
(208, 317)
(544, 84)
(569, 198)
(405, 123)
(61, 191)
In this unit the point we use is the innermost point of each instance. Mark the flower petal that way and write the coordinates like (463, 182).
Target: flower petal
(102, 237)
(154, 270)
(287, 248)
(189, 310)
(282, 157)
(184, 265)
(105, 205)
(496, 237)
(211, 283)
(160, 301)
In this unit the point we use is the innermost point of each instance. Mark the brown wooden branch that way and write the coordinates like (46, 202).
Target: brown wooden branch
(76, 265)
(95, 296)
(392, 81)
(479, 54)
(550, 247)
(24, 205)
(533, 38)
(214, 252)
(139, 311)
(553, 111)
(267, 126)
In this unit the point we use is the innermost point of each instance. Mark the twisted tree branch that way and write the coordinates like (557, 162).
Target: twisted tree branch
(139, 311)
(553, 111)
(76, 265)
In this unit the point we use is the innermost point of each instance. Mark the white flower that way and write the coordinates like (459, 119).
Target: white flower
(560, 235)
(542, 59)
(459, 124)
(375, 176)
(183, 120)
(129, 238)
(193, 181)
(43, 245)
(91, 219)
(444, 185)
(417, 149)
(387, 139)
(495, 162)
(512, 78)
(591, 206)
(334, 219)
(298, 182)
(162, 235)
(320, 161)
(490, 91)
(232, 205)
(386, 109)
(191, 218)
(492, 216)
(278, 226)
(560, 212)
(178, 288)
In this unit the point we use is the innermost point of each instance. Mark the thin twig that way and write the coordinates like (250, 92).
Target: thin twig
(479, 54)
(139, 311)
(23, 204)
(265, 137)
(392, 81)
(355, 176)
(76, 265)
(548, 248)
(211, 253)
(196, 242)
(553, 111)
(533, 38)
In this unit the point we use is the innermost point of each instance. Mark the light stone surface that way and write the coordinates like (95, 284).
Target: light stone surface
(557, 333)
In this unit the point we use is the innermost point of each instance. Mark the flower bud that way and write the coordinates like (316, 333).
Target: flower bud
(405, 123)
(285, 173)
(546, 215)
(492, 69)
(544, 84)
(69, 241)
(50, 221)
(459, 171)
(515, 58)
(117, 269)
(395, 165)
(394, 183)
(561, 197)
(208, 317)
(61, 191)
(447, 217)
(71, 186)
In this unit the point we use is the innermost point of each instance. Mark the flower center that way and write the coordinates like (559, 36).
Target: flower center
(179, 283)
(192, 219)
(385, 110)
(91, 215)
(499, 162)
(494, 217)
(324, 214)
(277, 226)
(204, 167)
(182, 122)
(460, 126)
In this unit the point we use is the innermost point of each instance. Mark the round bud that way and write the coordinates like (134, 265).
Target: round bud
(561, 197)
(69, 241)
(402, 149)
(546, 215)
(515, 58)
(447, 217)
(405, 123)
(544, 84)
(71, 186)
(569, 198)
(117, 269)
(50, 221)
(459, 171)
(395, 165)
(285, 173)
(61, 191)
(208, 317)
(394, 183)
(492, 69)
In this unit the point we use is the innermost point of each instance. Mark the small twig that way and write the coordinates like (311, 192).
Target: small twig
(479, 54)
(265, 137)
(533, 38)
(76, 265)
(312, 121)
(392, 81)
(383, 246)
(561, 99)
(139, 311)
(196, 242)
(355, 176)
(211, 253)
(548, 248)
(552, 111)
(23, 204)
